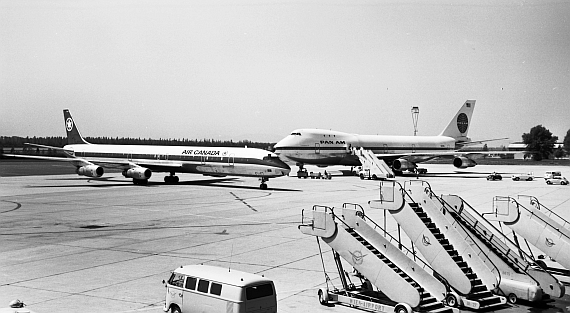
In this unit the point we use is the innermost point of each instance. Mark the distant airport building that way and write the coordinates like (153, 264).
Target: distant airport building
(519, 146)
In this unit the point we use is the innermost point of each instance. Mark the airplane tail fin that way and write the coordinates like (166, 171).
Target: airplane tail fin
(73, 135)
(459, 125)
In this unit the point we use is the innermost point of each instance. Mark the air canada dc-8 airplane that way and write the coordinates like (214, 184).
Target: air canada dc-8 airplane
(139, 161)
(328, 147)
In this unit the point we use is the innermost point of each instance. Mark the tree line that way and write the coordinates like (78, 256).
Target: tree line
(540, 144)
(18, 143)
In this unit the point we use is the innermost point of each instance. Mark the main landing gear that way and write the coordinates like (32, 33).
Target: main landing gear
(172, 179)
(263, 185)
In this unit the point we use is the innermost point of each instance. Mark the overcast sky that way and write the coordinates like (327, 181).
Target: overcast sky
(248, 69)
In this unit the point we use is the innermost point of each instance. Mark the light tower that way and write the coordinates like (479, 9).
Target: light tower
(415, 115)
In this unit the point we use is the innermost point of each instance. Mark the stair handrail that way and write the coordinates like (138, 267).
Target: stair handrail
(498, 244)
(315, 207)
(480, 254)
(391, 238)
(539, 206)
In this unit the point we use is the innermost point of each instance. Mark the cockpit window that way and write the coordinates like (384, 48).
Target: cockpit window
(295, 134)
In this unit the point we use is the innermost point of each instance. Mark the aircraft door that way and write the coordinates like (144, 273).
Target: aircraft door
(231, 159)
(130, 156)
(385, 147)
(413, 148)
(317, 148)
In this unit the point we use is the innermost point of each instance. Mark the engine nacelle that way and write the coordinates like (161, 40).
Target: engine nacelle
(90, 170)
(463, 162)
(402, 165)
(138, 173)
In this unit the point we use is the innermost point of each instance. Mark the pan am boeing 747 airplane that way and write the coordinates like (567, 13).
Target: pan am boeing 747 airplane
(327, 147)
(139, 161)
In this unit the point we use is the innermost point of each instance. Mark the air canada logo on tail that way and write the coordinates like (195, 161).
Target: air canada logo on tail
(69, 124)
(462, 122)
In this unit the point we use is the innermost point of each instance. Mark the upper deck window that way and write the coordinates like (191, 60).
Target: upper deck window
(295, 134)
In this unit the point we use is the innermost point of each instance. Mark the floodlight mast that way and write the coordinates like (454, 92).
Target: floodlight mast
(415, 115)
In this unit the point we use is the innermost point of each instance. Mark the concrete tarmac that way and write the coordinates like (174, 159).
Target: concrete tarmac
(74, 244)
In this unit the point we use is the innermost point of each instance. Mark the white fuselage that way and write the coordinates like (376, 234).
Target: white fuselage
(327, 147)
(185, 159)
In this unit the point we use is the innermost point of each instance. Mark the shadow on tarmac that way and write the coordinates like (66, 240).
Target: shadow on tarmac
(153, 184)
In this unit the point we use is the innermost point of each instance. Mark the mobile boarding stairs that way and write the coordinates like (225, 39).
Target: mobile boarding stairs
(469, 272)
(372, 167)
(538, 225)
(404, 282)
(519, 276)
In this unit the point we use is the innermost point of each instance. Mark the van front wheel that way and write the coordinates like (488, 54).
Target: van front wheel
(175, 309)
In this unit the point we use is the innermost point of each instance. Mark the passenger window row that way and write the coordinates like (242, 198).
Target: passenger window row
(203, 286)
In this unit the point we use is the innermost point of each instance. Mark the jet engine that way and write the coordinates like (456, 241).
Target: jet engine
(138, 173)
(90, 170)
(463, 162)
(402, 165)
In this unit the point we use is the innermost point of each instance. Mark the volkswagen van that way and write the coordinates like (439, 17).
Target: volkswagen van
(203, 288)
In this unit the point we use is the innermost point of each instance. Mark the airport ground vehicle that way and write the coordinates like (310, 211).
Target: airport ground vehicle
(494, 176)
(365, 173)
(16, 306)
(527, 177)
(552, 174)
(302, 173)
(557, 180)
(203, 288)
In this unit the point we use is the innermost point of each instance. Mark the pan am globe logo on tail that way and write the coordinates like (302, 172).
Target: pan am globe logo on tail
(69, 124)
(462, 122)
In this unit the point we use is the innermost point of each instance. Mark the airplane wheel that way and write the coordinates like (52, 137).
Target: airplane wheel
(323, 297)
(402, 308)
(451, 301)
(362, 177)
(374, 177)
(548, 182)
(263, 186)
(512, 298)
(517, 178)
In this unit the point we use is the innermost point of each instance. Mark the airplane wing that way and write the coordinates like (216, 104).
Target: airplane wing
(49, 147)
(425, 156)
(470, 142)
(124, 164)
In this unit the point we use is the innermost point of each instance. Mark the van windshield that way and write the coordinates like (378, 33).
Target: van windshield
(255, 292)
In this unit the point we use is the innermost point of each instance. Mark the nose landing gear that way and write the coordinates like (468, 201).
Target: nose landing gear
(263, 185)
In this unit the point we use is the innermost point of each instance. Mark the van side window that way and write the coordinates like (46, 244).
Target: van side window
(203, 285)
(176, 280)
(190, 283)
(216, 289)
(260, 291)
